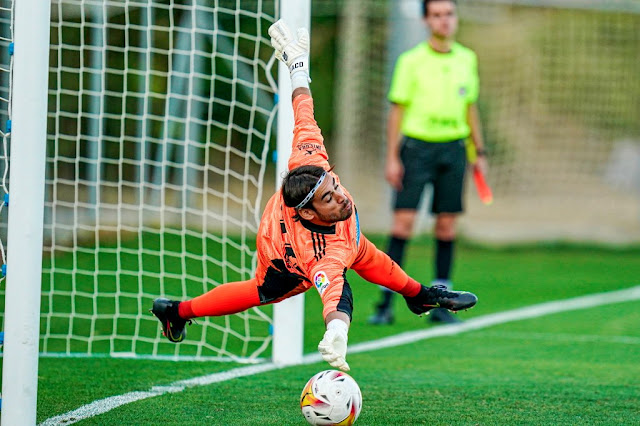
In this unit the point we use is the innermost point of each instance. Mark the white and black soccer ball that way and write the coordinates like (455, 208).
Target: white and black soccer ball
(331, 397)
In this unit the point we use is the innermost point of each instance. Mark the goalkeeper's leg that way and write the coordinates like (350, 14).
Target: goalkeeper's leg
(375, 266)
(225, 299)
(384, 309)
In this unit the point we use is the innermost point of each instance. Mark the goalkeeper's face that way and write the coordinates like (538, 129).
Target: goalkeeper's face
(330, 203)
(441, 18)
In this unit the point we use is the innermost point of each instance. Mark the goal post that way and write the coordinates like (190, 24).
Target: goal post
(26, 207)
(288, 315)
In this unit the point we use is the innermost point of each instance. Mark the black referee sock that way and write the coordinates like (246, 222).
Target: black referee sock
(395, 250)
(444, 259)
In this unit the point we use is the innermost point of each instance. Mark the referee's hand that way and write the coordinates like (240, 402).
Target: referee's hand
(481, 164)
(394, 172)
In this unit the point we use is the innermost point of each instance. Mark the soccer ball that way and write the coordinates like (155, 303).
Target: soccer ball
(331, 398)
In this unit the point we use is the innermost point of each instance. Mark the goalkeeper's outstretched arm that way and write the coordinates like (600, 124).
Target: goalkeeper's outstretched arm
(307, 144)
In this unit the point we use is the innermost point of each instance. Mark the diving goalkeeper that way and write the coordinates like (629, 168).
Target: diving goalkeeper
(309, 236)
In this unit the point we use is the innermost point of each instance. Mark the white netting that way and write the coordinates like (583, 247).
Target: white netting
(160, 117)
(6, 69)
(559, 105)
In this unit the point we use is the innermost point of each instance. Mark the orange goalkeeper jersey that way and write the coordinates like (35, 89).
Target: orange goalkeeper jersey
(295, 255)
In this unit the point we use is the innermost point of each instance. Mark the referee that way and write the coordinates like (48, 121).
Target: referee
(433, 112)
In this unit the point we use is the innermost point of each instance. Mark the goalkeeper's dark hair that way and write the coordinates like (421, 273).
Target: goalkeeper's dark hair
(425, 5)
(297, 184)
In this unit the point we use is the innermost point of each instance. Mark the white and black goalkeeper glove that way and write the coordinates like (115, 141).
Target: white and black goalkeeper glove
(294, 53)
(333, 346)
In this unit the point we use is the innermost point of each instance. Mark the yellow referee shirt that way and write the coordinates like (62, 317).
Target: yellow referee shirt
(435, 89)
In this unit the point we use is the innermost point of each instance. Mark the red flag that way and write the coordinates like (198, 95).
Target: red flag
(484, 191)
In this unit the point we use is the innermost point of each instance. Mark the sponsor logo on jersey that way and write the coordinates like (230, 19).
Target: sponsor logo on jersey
(462, 92)
(321, 281)
(310, 148)
(443, 122)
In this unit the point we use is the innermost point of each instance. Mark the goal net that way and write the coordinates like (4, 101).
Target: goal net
(160, 120)
(6, 55)
(558, 102)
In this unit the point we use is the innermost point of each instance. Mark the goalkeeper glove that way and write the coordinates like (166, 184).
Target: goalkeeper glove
(333, 346)
(294, 53)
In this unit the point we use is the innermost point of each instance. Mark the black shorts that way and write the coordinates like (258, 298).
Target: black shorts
(441, 164)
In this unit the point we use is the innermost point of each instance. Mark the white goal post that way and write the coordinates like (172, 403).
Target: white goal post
(24, 262)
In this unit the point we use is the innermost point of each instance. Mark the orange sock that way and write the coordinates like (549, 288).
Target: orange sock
(225, 299)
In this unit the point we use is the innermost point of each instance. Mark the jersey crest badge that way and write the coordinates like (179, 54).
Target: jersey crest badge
(321, 281)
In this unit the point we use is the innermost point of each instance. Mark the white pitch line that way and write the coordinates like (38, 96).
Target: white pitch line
(102, 406)
(561, 337)
(485, 321)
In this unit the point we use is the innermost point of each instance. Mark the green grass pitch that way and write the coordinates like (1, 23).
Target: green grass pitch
(577, 367)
